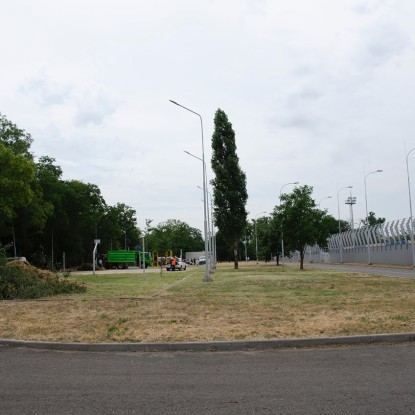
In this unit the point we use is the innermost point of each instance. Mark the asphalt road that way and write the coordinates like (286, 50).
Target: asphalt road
(350, 380)
(370, 269)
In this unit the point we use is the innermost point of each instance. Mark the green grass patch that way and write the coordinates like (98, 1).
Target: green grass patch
(121, 285)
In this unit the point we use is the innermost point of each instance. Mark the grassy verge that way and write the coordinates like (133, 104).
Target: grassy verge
(119, 285)
(254, 302)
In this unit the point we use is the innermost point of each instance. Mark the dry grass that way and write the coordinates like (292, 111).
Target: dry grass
(23, 265)
(254, 302)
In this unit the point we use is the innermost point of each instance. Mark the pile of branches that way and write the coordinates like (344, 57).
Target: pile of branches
(20, 280)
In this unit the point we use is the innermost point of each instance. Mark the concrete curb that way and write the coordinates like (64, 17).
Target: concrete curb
(214, 346)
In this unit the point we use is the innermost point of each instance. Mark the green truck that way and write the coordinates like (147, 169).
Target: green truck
(122, 259)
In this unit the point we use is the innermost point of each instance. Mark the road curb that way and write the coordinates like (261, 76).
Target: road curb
(242, 345)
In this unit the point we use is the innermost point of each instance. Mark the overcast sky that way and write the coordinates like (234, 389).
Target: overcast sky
(321, 92)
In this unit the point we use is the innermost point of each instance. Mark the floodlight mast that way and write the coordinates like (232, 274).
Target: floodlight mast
(338, 212)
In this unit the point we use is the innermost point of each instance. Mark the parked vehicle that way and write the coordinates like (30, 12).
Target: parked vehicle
(180, 265)
(144, 258)
(201, 260)
(122, 259)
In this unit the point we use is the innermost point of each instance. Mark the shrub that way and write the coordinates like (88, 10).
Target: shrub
(24, 282)
(3, 254)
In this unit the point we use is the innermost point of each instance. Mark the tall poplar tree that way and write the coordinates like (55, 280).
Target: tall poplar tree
(229, 184)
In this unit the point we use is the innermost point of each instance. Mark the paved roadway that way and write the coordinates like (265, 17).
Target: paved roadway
(403, 272)
(350, 380)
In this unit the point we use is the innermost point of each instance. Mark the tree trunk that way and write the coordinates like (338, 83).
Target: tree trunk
(235, 255)
(302, 258)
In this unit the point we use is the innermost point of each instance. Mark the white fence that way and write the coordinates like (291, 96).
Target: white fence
(389, 243)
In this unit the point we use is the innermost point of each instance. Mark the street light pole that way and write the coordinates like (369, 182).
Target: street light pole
(143, 262)
(410, 207)
(367, 216)
(207, 277)
(256, 236)
(338, 212)
(282, 236)
(210, 238)
(211, 225)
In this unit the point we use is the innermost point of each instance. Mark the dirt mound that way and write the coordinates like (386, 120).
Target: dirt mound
(41, 273)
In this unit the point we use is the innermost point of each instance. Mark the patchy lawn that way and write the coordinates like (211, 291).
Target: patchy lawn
(254, 302)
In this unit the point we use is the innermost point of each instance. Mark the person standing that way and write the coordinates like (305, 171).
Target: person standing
(173, 264)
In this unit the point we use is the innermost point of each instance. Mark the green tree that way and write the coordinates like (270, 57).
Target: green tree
(16, 176)
(229, 185)
(117, 228)
(50, 243)
(301, 222)
(21, 210)
(268, 238)
(48, 216)
(372, 220)
(174, 235)
(332, 224)
(82, 208)
(15, 138)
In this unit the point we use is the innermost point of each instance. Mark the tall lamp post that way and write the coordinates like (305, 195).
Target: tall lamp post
(210, 238)
(212, 227)
(209, 245)
(143, 262)
(367, 216)
(282, 236)
(207, 277)
(256, 236)
(410, 207)
(212, 264)
(338, 212)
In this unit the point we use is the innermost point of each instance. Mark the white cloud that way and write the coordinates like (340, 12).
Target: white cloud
(46, 91)
(93, 105)
(381, 43)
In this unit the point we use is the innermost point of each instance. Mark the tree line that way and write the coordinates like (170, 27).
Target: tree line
(44, 217)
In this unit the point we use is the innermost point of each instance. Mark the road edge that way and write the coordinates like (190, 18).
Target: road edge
(240, 345)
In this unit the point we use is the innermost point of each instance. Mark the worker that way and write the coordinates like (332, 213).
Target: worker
(173, 264)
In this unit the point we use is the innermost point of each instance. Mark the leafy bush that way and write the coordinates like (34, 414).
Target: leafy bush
(3, 254)
(39, 259)
(24, 283)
